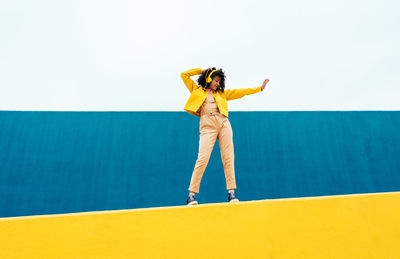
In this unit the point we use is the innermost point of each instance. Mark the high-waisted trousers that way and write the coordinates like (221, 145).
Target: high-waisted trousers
(214, 125)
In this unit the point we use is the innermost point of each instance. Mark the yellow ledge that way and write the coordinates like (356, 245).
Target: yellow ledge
(343, 226)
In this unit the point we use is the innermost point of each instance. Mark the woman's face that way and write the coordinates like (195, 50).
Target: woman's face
(215, 83)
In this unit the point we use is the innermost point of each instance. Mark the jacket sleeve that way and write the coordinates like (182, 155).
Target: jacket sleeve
(190, 84)
(232, 94)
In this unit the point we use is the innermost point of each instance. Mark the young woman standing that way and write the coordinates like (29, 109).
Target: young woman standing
(209, 101)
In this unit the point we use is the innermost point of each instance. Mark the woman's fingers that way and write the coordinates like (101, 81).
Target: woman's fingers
(263, 85)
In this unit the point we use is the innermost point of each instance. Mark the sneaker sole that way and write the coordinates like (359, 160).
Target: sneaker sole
(192, 203)
(234, 200)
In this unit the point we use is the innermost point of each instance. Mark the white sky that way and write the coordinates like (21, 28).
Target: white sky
(128, 55)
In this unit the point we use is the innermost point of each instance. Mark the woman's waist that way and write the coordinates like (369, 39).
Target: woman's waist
(209, 111)
(210, 107)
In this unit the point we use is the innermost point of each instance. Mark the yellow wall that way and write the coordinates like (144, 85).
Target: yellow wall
(348, 226)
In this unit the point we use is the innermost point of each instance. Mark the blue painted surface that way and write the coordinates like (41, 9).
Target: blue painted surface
(62, 162)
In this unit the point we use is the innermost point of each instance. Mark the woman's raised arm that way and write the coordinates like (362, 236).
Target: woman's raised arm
(190, 84)
(232, 94)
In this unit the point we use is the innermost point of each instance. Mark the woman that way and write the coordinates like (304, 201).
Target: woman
(209, 101)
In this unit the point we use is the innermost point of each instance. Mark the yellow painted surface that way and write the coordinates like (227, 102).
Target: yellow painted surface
(348, 226)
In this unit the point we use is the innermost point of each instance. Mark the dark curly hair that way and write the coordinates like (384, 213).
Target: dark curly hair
(202, 78)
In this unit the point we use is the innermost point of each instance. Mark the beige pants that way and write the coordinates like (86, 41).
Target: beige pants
(214, 125)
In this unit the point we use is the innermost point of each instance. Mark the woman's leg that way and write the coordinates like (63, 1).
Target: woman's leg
(208, 135)
(225, 139)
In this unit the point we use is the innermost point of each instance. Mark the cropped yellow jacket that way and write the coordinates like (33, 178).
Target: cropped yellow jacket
(198, 94)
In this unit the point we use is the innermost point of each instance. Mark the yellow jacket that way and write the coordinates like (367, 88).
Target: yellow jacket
(198, 94)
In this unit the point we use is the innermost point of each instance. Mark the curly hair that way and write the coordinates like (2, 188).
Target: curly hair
(202, 78)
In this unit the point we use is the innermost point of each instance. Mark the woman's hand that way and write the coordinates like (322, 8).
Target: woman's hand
(264, 84)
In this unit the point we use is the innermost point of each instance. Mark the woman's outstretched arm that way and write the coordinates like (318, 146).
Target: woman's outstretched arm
(190, 84)
(232, 94)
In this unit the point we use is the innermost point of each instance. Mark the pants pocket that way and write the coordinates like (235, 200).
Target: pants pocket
(206, 124)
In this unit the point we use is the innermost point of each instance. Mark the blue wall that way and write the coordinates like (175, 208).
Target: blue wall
(61, 162)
